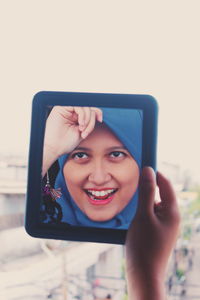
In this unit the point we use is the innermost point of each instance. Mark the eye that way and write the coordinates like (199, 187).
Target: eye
(117, 154)
(79, 155)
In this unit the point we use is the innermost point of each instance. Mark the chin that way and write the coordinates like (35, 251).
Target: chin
(100, 218)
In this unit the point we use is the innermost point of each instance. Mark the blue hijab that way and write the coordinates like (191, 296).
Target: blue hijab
(126, 124)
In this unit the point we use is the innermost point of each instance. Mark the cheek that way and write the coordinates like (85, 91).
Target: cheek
(74, 176)
(129, 168)
(130, 176)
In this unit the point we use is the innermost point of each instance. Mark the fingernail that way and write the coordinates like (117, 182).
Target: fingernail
(84, 134)
(100, 119)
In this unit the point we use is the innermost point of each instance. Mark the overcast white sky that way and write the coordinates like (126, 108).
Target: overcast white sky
(103, 46)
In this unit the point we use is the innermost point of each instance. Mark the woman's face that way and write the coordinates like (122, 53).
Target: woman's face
(101, 175)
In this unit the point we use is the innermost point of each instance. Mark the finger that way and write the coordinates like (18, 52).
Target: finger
(68, 113)
(147, 189)
(90, 126)
(64, 111)
(99, 114)
(87, 115)
(68, 108)
(81, 116)
(167, 193)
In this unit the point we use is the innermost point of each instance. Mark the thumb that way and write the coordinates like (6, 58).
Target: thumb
(147, 189)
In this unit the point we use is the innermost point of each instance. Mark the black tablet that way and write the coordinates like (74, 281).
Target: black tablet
(86, 154)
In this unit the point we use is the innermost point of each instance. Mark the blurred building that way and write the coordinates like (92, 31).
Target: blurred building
(13, 173)
(174, 173)
(57, 269)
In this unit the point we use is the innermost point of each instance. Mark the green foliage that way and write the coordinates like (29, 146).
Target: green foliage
(123, 268)
(179, 273)
(125, 297)
(187, 232)
(194, 207)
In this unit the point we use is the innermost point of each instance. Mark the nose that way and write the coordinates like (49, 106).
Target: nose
(99, 175)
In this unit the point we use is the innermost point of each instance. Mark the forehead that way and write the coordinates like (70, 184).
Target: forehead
(101, 136)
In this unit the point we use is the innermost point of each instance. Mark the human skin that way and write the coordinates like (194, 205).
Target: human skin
(70, 127)
(151, 238)
(101, 163)
(67, 123)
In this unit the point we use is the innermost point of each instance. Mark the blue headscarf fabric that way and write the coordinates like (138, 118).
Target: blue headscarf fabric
(126, 124)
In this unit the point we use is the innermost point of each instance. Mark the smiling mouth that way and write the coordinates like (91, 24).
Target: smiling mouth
(101, 195)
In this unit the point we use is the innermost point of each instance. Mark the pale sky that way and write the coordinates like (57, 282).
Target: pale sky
(113, 46)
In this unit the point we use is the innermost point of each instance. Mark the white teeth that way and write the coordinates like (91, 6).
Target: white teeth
(101, 193)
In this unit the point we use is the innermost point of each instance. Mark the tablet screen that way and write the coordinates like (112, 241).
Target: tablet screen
(91, 165)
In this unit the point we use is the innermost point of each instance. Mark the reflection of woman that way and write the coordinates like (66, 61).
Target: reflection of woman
(99, 154)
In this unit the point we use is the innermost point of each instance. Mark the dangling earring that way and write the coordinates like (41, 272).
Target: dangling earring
(53, 193)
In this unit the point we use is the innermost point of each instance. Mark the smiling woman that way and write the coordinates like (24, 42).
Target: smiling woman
(99, 155)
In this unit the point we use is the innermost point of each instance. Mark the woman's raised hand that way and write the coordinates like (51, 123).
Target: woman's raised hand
(66, 127)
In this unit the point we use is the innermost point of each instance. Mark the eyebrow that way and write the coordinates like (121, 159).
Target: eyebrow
(109, 149)
(82, 149)
(116, 148)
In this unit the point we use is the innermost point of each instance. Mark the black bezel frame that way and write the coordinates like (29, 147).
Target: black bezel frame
(41, 100)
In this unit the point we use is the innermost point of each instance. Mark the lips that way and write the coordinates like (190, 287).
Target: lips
(100, 197)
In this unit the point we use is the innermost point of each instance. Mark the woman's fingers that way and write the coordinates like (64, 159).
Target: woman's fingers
(147, 189)
(166, 190)
(91, 115)
(85, 116)
(168, 202)
(168, 206)
(99, 114)
(90, 126)
(81, 117)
